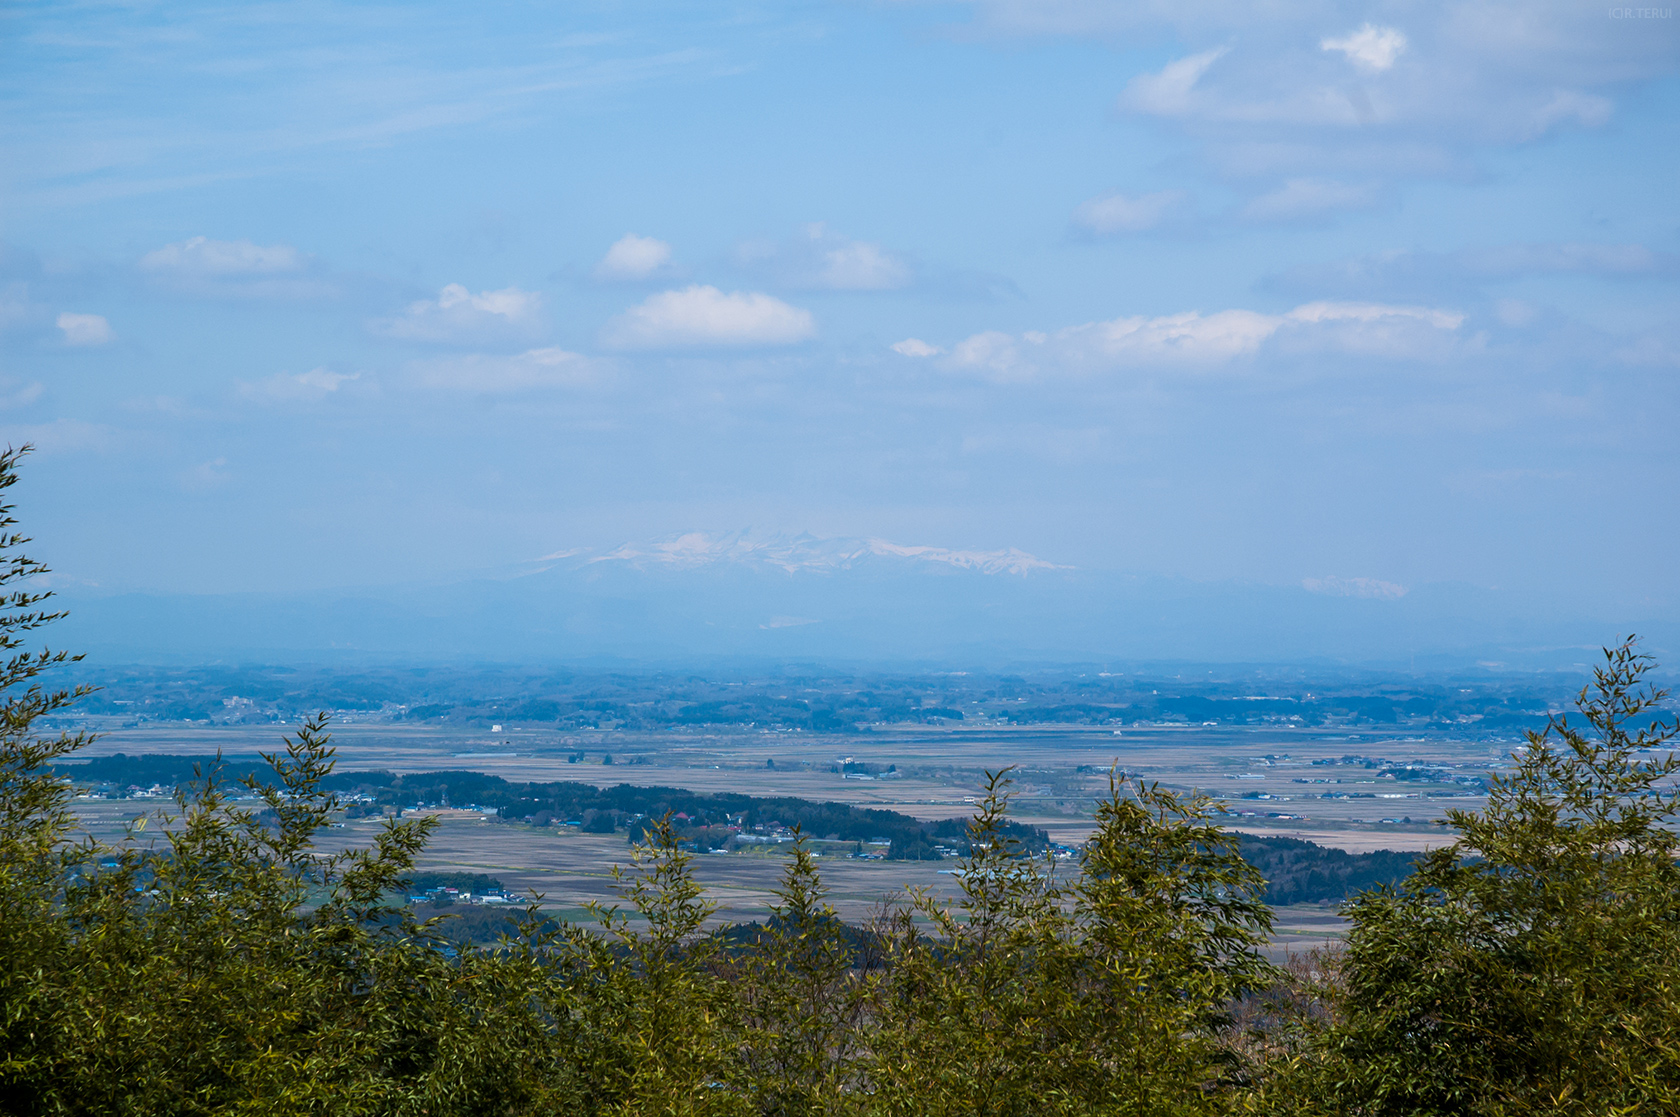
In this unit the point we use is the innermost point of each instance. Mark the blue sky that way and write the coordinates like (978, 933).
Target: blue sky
(309, 295)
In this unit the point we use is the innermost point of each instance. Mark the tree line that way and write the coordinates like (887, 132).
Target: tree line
(557, 701)
(1295, 871)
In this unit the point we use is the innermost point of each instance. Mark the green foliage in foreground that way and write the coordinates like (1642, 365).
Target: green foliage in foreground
(1534, 967)
(229, 967)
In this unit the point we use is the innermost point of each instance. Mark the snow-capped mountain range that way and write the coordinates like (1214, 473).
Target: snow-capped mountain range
(701, 597)
(803, 553)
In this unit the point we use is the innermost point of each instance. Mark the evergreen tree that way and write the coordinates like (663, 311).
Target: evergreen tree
(1531, 967)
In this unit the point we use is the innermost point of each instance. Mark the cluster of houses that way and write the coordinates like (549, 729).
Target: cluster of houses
(443, 895)
(132, 791)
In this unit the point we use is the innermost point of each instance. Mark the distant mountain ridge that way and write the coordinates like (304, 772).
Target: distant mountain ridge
(802, 553)
(699, 596)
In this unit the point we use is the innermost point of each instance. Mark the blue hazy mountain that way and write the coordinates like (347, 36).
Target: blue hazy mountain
(697, 597)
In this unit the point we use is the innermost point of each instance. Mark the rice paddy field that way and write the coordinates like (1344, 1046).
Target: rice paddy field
(1356, 791)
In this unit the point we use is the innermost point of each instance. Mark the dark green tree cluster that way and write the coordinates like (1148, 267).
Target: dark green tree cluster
(226, 965)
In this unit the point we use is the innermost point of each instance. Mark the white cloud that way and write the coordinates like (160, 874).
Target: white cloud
(632, 257)
(458, 314)
(1124, 213)
(1371, 47)
(1277, 90)
(824, 260)
(1193, 341)
(860, 266)
(1308, 197)
(85, 329)
(203, 257)
(1355, 587)
(700, 316)
(1175, 339)
(1249, 102)
(533, 370)
(994, 353)
(1318, 313)
(203, 267)
(1374, 330)
(301, 387)
(1172, 91)
(915, 347)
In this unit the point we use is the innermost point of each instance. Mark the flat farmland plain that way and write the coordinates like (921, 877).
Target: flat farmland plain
(1273, 781)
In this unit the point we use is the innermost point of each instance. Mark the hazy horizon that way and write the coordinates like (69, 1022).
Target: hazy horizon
(703, 602)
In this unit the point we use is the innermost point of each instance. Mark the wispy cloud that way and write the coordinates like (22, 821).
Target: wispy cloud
(1193, 341)
(1569, 257)
(201, 257)
(1171, 91)
(487, 374)
(85, 329)
(206, 476)
(1128, 213)
(205, 267)
(302, 387)
(1407, 274)
(63, 436)
(21, 396)
(860, 266)
(459, 315)
(820, 259)
(1302, 198)
(288, 83)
